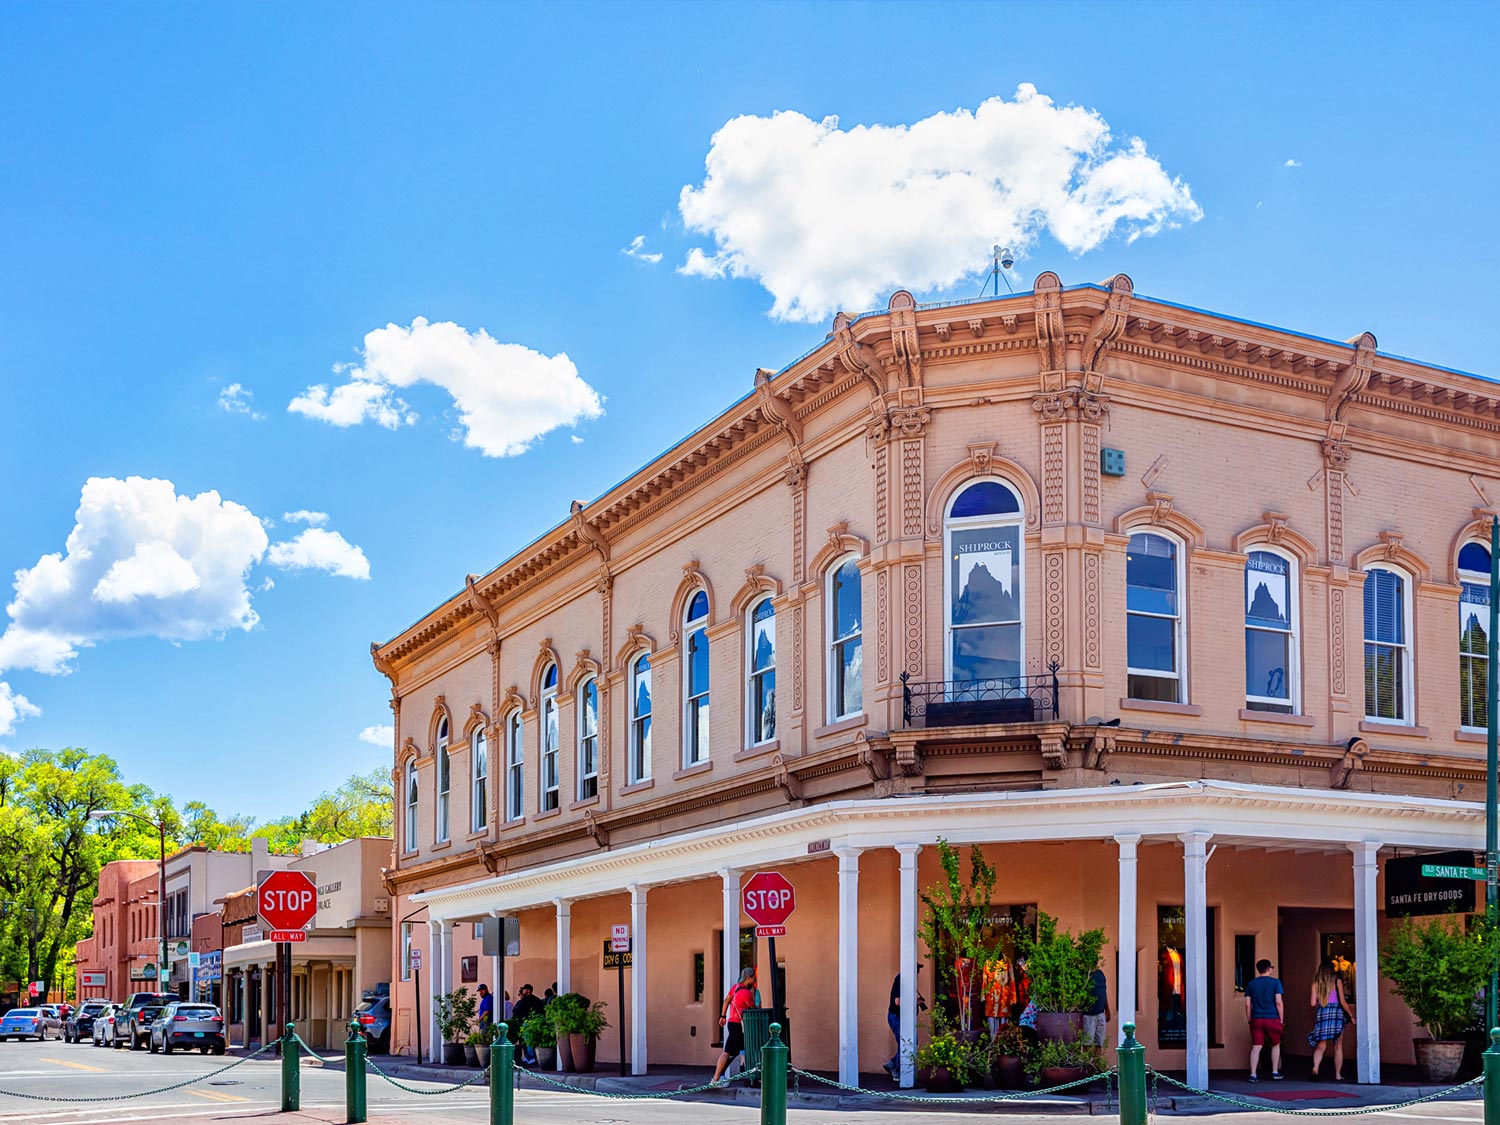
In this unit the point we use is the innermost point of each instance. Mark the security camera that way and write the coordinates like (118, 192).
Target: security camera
(1007, 259)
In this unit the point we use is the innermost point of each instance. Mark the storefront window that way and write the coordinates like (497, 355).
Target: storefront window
(1171, 976)
(1339, 949)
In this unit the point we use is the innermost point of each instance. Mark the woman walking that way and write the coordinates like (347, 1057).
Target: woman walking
(740, 997)
(1330, 1014)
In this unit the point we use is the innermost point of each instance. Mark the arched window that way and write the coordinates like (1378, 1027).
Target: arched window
(1271, 675)
(588, 739)
(479, 780)
(845, 661)
(515, 767)
(1474, 636)
(1153, 619)
(410, 836)
(695, 681)
(444, 780)
(1387, 645)
(984, 579)
(760, 705)
(549, 739)
(640, 719)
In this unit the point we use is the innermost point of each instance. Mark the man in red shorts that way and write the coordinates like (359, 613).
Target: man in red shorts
(1264, 1010)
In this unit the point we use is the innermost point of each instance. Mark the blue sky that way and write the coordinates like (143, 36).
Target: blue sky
(198, 198)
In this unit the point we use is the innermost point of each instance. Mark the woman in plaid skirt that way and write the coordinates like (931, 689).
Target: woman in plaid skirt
(1330, 1014)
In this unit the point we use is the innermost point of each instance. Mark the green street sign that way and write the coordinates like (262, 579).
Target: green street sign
(1440, 871)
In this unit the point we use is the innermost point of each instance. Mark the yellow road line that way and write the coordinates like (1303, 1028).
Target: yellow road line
(76, 1066)
(215, 1095)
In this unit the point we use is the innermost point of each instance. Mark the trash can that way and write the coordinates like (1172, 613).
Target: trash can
(757, 1025)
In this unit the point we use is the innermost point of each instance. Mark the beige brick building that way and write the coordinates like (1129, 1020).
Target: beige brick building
(1161, 607)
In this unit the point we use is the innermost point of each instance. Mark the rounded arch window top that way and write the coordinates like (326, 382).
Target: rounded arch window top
(697, 607)
(549, 678)
(1474, 558)
(984, 499)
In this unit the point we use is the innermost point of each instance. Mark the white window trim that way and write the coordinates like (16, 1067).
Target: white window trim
(413, 795)
(830, 627)
(1472, 578)
(693, 755)
(442, 791)
(406, 935)
(549, 700)
(515, 768)
(1183, 694)
(478, 783)
(582, 776)
(750, 709)
(634, 751)
(1017, 519)
(1408, 653)
(1294, 642)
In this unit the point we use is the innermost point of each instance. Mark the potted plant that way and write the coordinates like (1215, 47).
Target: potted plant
(1007, 1058)
(455, 1021)
(1059, 965)
(953, 931)
(584, 1028)
(472, 1042)
(1439, 966)
(943, 1062)
(566, 1010)
(540, 1034)
(1058, 1061)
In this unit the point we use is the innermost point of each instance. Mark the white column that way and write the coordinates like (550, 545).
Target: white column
(908, 946)
(849, 966)
(637, 979)
(1366, 953)
(1195, 907)
(1127, 932)
(564, 953)
(729, 953)
(434, 987)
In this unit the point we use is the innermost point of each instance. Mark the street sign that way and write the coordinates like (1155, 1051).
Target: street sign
(769, 899)
(35, 988)
(91, 980)
(287, 935)
(1411, 892)
(1443, 871)
(614, 960)
(416, 959)
(619, 939)
(287, 900)
(494, 929)
(193, 960)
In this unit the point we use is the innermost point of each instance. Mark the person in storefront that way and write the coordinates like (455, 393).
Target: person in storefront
(527, 1004)
(1265, 1010)
(486, 1010)
(1096, 1015)
(1331, 1013)
(731, 1019)
(893, 1020)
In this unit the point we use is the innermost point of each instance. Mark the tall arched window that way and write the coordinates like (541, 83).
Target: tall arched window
(760, 705)
(1271, 676)
(845, 660)
(588, 739)
(1387, 645)
(695, 681)
(515, 767)
(444, 780)
(479, 780)
(984, 579)
(410, 837)
(549, 739)
(640, 719)
(1474, 636)
(1153, 619)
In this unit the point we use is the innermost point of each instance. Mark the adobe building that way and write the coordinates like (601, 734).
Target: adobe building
(1172, 613)
(116, 916)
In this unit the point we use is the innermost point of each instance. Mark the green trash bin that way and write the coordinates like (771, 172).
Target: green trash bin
(757, 1025)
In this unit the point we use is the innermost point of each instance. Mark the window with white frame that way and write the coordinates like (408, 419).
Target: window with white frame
(549, 739)
(406, 951)
(984, 581)
(640, 720)
(1474, 636)
(410, 836)
(695, 681)
(1271, 676)
(588, 739)
(515, 767)
(760, 705)
(1387, 645)
(479, 780)
(444, 780)
(1153, 619)
(845, 659)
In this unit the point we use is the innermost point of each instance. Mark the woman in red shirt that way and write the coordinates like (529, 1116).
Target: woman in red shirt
(740, 997)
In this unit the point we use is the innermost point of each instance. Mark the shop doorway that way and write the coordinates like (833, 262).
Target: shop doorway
(1305, 936)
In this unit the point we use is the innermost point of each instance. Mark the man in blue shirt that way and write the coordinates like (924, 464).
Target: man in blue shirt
(486, 1010)
(1264, 1010)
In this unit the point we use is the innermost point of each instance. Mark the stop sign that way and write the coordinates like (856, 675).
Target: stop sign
(768, 898)
(287, 900)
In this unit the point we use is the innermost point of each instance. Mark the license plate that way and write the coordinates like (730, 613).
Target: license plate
(198, 1035)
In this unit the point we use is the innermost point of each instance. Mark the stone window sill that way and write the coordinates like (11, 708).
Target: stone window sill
(583, 803)
(1478, 736)
(853, 722)
(547, 814)
(512, 825)
(442, 847)
(409, 855)
(757, 750)
(480, 835)
(1249, 716)
(1159, 707)
(638, 787)
(692, 771)
(1400, 730)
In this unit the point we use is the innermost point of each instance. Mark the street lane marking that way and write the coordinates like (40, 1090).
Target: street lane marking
(74, 1065)
(1426, 1116)
(214, 1095)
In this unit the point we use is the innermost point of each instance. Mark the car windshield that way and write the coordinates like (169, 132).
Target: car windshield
(198, 1013)
(27, 1013)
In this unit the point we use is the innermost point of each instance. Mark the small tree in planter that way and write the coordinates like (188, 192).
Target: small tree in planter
(563, 1011)
(455, 1021)
(1058, 1061)
(944, 1063)
(582, 1026)
(540, 1034)
(1058, 966)
(1007, 1057)
(1440, 967)
(954, 925)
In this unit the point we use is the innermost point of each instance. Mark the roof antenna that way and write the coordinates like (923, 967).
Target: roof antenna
(1003, 260)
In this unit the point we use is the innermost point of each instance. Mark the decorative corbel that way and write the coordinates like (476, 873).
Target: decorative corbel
(489, 855)
(1108, 326)
(981, 453)
(1354, 378)
(1161, 506)
(588, 533)
(776, 411)
(482, 603)
(909, 761)
(1353, 759)
(409, 747)
(1394, 541)
(1100, 746)
(1050, 339)
(1054, 752)
(866, 756)
(857, 358)
(597, 832)
(904, 341)
(1275, 526)
(789, 785)
(382, 665)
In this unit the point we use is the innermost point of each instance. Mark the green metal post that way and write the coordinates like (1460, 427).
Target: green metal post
(773, 1079)
(1491, 843)
(1492, 1079)
(1130, 1056)
(502, 1078)
(291, 1074)
(354, 1075)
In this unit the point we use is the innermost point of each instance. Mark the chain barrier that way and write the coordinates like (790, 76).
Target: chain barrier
(144, 1093)
(656, 1096)
(1347, 1111)
(929, 1099)
(480, 1076)
(310, 1053)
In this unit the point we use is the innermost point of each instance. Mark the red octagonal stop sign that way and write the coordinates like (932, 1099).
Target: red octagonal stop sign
(287, 900)
(768, 898)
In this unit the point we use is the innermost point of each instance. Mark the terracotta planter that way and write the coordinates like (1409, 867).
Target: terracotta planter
(939, 1080)
(1057, 1075)
(1008, 1071)
(484, 1056)
(453, 1054)
(546, 1058)
(1066, 1026)
(471, 1055)
(564, 1052)
(583, 1052)
(1438, 1059)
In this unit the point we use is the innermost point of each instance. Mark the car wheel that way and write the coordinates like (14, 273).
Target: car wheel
(218, 1050)
(166, 1046)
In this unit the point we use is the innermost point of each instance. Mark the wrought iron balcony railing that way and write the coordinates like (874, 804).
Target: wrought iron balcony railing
(962, 703)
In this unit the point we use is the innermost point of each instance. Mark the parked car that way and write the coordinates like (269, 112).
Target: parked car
(104, 1025)
(141, 1022)
(188, 1025)
(79, 1025)
(133, 1031)
(374, 1016)
(29, 1023)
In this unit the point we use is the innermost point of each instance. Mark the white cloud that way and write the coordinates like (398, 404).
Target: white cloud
(302, 515)
(576, 439)
(14, 708)
(826, 218)
(637, 250)
(507, 395)
(379, 735)
(318, 549)
(236, 399)
(1292, 163)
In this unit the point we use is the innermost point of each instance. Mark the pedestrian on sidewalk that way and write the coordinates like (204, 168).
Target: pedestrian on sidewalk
(1096, 1015)
(893, 1020)
(1265, 1010)
(1330, 1015)
(486, 1010)
(527, 1004)
(731, 1019)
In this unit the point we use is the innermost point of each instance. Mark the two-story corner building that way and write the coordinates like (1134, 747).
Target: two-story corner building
(109, 949)
(1180, 617)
